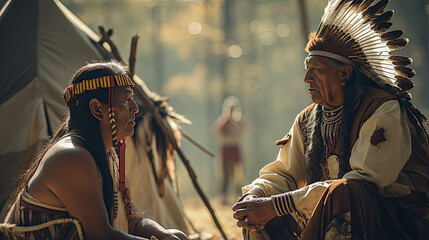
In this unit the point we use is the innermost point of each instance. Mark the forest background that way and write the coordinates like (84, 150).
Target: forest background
(197, 52)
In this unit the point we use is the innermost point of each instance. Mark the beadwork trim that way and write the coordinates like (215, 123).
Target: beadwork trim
(96, 83)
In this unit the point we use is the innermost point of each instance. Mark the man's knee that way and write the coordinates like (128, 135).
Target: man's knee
(178, 234)
(248, 235)
(345, 190)
(338, 188)
(279, 228)
(343, 185)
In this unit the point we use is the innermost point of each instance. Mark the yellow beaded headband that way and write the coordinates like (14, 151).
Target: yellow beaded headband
(96, 83)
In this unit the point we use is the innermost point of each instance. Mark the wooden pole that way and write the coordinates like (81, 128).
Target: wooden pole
(304, 19)
(105, 36)
(201, 147)
(133, 51)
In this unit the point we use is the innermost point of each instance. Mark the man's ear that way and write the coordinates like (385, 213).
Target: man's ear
(96, 108)
(346, 72)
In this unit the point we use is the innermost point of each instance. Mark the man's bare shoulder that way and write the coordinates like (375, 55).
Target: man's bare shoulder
(65, 167)
(69, 156)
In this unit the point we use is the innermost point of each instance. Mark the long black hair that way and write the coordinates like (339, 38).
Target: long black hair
(80, 121)
(352, 97)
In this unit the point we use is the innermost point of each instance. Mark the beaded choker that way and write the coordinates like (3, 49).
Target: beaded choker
(332, 116)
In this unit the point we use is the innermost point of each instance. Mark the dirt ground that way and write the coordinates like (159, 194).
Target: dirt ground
(200, 217)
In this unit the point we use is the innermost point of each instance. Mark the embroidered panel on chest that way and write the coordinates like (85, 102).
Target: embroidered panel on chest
(331, 167)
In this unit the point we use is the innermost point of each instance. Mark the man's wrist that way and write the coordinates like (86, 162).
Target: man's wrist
(283, 203)
(256, 192)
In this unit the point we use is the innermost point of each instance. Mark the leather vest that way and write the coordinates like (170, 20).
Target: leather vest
(415, 173)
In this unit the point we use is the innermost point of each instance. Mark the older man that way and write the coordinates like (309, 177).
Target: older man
(355, 164)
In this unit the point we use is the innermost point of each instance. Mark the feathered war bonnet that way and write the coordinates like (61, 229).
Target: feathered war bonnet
(355, 32)
(109, 82)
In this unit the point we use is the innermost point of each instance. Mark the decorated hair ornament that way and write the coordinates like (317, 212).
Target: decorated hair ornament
(119, 145)
(355, 32)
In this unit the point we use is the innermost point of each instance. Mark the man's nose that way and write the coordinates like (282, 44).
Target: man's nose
(135, 107)
(308, 77)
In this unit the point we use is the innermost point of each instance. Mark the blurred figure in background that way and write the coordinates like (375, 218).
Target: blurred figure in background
(229, 129)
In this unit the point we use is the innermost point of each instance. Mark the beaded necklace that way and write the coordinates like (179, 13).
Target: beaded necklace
(330, 129)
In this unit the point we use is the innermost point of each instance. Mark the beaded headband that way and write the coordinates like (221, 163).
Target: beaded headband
(332, 56)
(96, 83)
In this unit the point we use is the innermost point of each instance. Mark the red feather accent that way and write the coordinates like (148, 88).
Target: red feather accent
(283, 141)
(126, 196)
(122, 166)
(378, 137)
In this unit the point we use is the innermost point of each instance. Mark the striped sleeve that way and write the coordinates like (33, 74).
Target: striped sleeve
(283, 203)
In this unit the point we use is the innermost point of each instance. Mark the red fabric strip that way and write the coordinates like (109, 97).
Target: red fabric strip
(122, 166)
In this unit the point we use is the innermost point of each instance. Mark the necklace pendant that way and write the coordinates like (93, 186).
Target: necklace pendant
(332, 166)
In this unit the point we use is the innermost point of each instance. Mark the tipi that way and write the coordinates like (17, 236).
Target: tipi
(41, 45)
